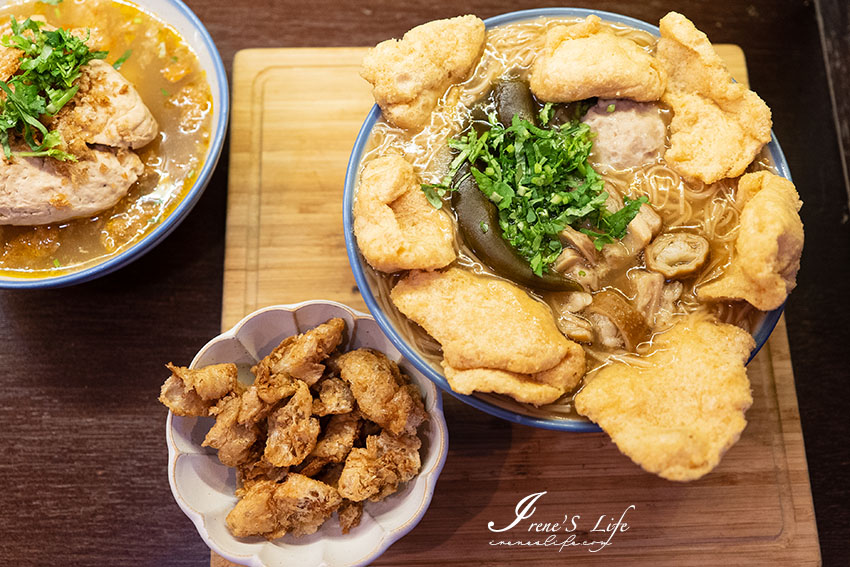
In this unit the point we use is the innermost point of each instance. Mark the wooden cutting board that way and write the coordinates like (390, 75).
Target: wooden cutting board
(296, 113)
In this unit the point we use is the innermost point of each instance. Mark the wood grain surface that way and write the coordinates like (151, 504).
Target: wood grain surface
(84, 453)
(285, 244)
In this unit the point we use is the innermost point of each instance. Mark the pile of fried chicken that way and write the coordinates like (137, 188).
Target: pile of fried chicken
(319, 431)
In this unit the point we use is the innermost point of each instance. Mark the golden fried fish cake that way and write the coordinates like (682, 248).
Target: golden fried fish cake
(482, 322)
(395, 226)
(376, 471)
(718, 126)
(335, 397)
(299, 505)
(677, 415)
(192, 392)
(292, 432)
(409, 76)
(537, 389)
(768, 246)
(384, 395)
(586, 59)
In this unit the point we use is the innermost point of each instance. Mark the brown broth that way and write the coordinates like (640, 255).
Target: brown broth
(170, 80)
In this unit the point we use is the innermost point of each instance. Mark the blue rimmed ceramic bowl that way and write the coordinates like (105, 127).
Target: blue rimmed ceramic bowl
(190, 28)
(380, 306)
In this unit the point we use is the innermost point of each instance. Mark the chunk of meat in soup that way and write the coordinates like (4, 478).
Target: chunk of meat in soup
(630, 135)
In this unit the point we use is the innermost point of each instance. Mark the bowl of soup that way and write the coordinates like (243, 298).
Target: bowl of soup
(133, 141)
(666, 226)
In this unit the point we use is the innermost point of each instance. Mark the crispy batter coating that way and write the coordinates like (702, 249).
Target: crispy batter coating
(301, 356)
(298, 506)
(677, 416)
(350, 513)
(194, 391)
(335, 397)
(482, 322)
(718, 126)
(409, 76)
(587, 59)
(264, 394)
(253, 472)
(376, 471)
(538, 389)
(764, 266)
(234, 441)
(384, 395)
(396, 227)
(339, 436)
(292, 432)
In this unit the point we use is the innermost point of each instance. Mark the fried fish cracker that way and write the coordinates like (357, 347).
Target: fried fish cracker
(482, 322)
(678, 415)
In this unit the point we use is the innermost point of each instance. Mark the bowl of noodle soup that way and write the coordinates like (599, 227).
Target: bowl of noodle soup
(512, 41)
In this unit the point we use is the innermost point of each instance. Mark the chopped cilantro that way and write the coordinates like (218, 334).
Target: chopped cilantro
(164, 92)
(541, 182)
(56, 263)
(51, 2)
(120, 61)
(485, 228)
(49, 66)
(611, 108)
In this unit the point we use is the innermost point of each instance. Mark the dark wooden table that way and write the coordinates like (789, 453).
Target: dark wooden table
(82, 435)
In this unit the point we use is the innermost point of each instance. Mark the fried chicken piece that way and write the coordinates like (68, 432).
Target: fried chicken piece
(339, 436)
(384, 395)
(395, 226)
(482, 322)
(764, 266)
(264, 394)
(718, 126)
(537, 389)
(253, 472)
(335, 397)
(235, 442)
(301, 356)
(586, 59)
(678, 415)
(299, 505)
(292, 433)
(376, 471)
(409, 76)
(194, 391)
(350, 513)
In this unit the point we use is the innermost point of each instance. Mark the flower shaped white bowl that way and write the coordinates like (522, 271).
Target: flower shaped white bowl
(204, 488)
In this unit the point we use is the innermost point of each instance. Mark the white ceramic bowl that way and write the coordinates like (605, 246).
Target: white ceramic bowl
(204, 488)
(190, 28)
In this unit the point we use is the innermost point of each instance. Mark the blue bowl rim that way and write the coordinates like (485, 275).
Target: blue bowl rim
(762, 333)
(153, 238)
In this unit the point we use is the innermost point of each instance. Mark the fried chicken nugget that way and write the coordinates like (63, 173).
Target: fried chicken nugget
(537, 389)
(395, 226)
(482, 322)
(718, 126)
(384, 395)
(192, 392)
(764, 266)
(409, 76)
(376, 471)
(234, 441)
(299, 505)
(677, 416)
(301, 356)
(292, 432)
(586, 59)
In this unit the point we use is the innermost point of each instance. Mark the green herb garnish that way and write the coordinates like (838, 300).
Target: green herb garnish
(56, 263)
(541, 182)
(485, 228)
(611, 108)
(51, 2)
(49, 66)
(120, 61)
(164, 92)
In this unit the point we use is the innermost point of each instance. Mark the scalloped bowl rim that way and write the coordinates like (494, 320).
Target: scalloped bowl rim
(388, 538)
(187, 203)
(762, 333)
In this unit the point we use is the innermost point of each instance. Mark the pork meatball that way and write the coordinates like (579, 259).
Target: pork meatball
(628, 134)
